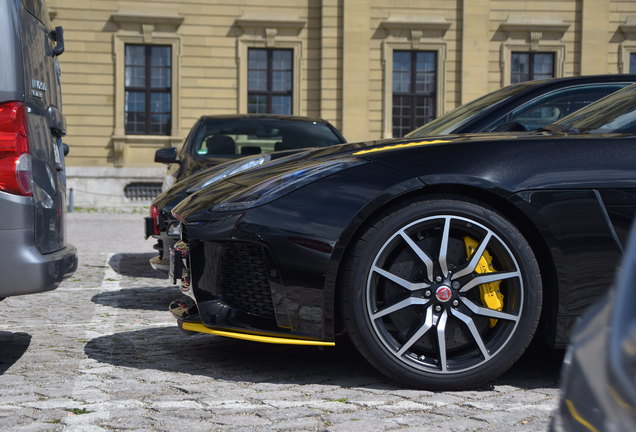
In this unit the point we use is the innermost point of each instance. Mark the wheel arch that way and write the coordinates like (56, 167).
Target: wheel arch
(507, 209)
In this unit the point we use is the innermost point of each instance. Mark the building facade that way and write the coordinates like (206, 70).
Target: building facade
(137, 74)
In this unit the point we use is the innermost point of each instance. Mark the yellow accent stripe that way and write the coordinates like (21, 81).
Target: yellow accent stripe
(392, 147)
(574, 413)
(198, 327)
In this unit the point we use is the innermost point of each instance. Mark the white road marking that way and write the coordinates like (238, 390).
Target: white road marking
(90, 371)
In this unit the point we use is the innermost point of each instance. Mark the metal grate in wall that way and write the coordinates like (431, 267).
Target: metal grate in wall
(142, 191)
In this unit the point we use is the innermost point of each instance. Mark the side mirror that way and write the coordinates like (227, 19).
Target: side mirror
(66, 148)
(166, 155)
(58, 37)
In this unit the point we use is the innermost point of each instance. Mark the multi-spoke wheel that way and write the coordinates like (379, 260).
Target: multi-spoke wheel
(442, 294)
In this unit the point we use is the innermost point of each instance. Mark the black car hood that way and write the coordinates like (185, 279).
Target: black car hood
(442, 157)
(170, 198)
(370, 150)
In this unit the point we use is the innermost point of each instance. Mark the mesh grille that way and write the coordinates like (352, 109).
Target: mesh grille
(244, 281)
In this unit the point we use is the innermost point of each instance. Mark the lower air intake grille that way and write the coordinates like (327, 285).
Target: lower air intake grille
(244, 280)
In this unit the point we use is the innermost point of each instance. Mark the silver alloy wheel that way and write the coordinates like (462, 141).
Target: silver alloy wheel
(423, 295)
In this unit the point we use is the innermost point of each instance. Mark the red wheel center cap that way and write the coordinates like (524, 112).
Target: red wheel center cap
(443, 293)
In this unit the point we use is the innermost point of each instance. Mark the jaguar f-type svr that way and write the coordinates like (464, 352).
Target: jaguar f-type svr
(440, 258)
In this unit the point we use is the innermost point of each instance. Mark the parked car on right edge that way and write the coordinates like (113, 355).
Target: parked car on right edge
(598, 380)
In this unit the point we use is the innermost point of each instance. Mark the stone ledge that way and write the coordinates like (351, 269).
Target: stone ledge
(125, 172)
(103, 187)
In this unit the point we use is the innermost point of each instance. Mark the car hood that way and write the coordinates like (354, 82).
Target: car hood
(170, 198)
(368, 151)
(489, 155)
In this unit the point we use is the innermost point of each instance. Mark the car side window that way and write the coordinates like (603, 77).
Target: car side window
(548, 108)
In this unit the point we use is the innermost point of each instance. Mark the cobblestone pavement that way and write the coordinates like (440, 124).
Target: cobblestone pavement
(101, 353)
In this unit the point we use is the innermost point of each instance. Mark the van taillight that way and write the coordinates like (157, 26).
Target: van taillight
(15, 160)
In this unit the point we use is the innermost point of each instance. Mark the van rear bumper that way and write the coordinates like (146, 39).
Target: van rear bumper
(24, 270)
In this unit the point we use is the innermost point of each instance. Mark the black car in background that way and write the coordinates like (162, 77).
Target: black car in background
(440, 257)
(525, 106)
(220, 146)
(216, 139)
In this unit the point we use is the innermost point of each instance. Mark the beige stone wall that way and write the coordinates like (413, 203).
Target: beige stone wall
(343, 51)
(621, 34)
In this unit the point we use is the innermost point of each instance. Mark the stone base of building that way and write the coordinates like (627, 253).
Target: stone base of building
(106, 187)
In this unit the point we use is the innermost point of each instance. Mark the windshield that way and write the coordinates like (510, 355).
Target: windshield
(449, 122)
(232, 137)
(615, 113)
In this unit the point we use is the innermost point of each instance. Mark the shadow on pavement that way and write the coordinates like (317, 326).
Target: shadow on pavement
(146, 298)
(170, 350)
(539, 366)
(135, 265)
(12, 347)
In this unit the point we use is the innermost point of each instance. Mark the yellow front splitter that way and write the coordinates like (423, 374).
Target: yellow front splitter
(198, 327)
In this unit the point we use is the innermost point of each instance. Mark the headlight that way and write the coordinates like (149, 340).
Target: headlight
(278, 185)
(231, 169)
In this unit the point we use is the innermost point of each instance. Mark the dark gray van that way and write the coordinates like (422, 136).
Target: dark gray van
(35, 256)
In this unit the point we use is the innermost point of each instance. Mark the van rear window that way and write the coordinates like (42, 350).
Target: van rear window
(39, 10)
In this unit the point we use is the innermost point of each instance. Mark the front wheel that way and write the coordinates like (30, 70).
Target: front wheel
(442, 294)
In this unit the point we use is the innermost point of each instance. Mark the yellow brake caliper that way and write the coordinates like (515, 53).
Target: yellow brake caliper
(491, 297)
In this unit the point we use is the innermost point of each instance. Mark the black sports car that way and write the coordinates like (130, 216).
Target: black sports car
(439, 258)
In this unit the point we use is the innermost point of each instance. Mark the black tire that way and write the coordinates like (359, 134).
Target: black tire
(414, 304)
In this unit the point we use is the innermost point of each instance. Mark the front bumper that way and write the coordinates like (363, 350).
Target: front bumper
(25, 270)
(234, 286)
(188, 319)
